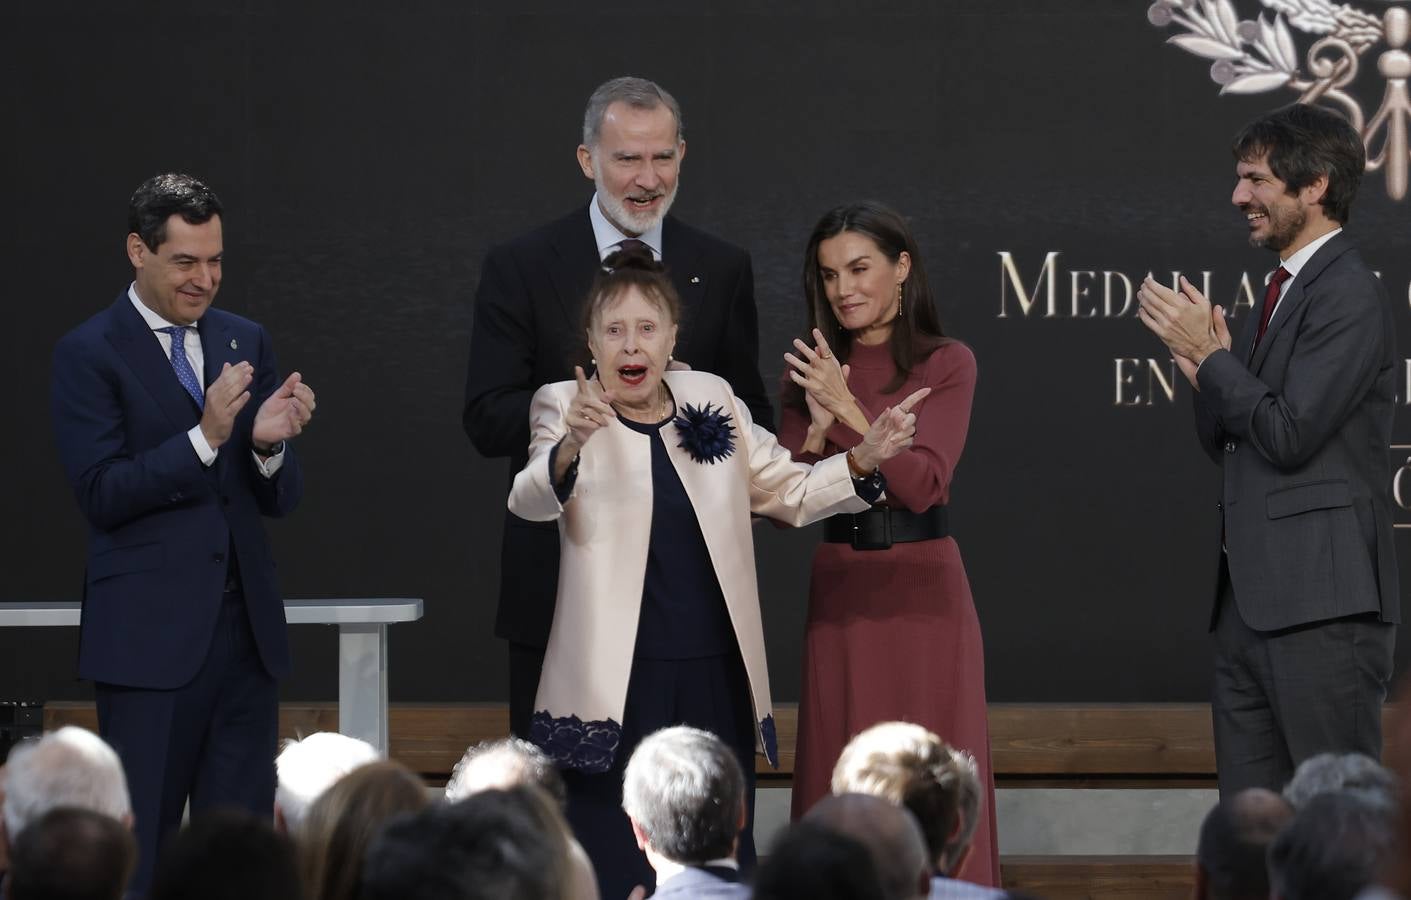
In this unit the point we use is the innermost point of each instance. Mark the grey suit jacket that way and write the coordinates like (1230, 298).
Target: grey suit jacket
(698, 881)
(1302, 431)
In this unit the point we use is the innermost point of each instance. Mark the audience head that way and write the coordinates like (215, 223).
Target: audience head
(685, 794)
(813, 862)
(505, 763)
(909, 766)
(1342, 773)
(67, 767)
(344, 819)
(308, 767)
(227, 855)
(1234, 843)
(632, 150)
(889, 833)
(71, 854)
(1334, 847)
(497, 844)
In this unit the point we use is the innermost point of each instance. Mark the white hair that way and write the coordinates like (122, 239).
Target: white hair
(309, 767)
(503, 764)
(68, 767)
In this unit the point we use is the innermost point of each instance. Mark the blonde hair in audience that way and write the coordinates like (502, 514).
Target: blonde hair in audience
(905, 764)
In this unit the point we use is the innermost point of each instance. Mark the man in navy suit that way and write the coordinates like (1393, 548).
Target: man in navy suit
(172, 426)
(528, 330)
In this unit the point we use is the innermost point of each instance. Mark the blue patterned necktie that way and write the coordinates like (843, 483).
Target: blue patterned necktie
(181, 366)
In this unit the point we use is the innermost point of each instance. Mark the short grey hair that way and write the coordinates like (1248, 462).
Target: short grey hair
(503, 764)
(686, 790)
(1334, 847)
(309, 767)
(1329, 773)
(70, 767)
(638, 93)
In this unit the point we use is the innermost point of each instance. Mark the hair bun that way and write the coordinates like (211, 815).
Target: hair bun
(638, 257)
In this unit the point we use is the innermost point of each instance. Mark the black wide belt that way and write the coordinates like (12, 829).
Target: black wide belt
(882, 526)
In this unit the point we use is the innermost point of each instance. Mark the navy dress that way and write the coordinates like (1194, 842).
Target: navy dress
(686, 670)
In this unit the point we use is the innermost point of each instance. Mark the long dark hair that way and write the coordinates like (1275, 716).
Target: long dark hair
(915, 333)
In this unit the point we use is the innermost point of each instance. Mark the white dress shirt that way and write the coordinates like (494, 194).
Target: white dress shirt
(1294, 263)
(196, 356)
(609, 236)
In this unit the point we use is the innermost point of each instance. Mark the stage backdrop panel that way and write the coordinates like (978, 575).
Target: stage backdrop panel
(1049, 155)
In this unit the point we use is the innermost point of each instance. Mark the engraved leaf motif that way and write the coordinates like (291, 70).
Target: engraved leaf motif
(1288, 53)
(1313, 16)
(1206, 47)
(1228, 22)
(1256, 83)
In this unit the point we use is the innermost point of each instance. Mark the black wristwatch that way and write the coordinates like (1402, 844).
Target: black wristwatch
(274, 450)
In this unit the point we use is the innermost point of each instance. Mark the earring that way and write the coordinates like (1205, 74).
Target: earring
(899, 286)
(593, 361)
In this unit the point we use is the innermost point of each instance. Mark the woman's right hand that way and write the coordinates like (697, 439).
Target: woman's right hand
(590, 409)
(891, 433)
(819, 421)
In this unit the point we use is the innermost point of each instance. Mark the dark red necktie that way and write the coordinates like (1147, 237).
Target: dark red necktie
(631, 244)
(1271, 299)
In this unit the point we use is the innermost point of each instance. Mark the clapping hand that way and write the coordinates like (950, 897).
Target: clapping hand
(1184, 321)
(823, 379)
(284, 414)
(890, 434)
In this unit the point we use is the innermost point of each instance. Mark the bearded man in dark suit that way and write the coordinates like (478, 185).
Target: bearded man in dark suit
(528, 333)
(1297, 412)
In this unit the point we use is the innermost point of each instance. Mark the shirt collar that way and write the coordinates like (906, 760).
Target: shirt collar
(667, 869)
(1301, 258)
(608, 235)
(153, 320)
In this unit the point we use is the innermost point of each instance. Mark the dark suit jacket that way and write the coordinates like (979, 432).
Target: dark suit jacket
(527, 333)
(697, 881)
(1302, 432)
(161, 525)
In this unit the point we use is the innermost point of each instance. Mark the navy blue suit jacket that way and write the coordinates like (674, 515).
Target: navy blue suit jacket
(160, 524)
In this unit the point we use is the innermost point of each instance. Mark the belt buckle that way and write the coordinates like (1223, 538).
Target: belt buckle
(870, 542)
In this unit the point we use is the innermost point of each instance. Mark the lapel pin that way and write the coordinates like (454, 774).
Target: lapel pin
(695, 279)
(234, 345)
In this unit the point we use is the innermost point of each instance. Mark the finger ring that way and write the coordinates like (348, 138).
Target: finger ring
(825, 356)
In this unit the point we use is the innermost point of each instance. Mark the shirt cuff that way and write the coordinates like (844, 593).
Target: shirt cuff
(203, 448)
(564, 489)
(268, 467)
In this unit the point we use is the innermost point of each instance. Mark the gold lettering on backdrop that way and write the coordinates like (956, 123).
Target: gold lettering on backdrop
(1143, 382)
(1244, 294)
(1078, 290)
(1128, 295)
(1009, 274)
(1406, 389)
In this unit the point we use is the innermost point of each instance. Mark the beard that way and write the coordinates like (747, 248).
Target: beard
(628, 220)
(1285, 224)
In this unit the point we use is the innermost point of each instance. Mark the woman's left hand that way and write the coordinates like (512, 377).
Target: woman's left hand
(818, 372)
(892, 433)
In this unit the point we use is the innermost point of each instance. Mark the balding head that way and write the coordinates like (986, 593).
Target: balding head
(1234, 840)
(889, 833)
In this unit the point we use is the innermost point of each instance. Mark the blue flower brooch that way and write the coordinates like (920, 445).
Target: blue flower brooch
(706, 433)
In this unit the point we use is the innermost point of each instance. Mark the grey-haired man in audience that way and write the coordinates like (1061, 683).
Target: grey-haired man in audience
(685, 795)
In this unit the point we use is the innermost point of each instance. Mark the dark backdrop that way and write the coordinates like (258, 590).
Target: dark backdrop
(369, 153)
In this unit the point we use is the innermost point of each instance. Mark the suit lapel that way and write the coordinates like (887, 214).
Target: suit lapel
(574, 265)
(137, 346)
(682, 258)
(1297, 295)
(218, 346)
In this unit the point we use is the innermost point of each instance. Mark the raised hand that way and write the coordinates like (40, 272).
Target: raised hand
(892, 432)
(590, 409)
(817, 371)
(284, 414)
(226, 396)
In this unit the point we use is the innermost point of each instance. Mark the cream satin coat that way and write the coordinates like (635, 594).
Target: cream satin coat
(605, 525)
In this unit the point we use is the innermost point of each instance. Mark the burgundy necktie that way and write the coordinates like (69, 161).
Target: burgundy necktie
(631, 244)
(1271, 299)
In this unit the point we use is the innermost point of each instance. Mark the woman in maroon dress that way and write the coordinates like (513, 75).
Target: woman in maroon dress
(892, 632)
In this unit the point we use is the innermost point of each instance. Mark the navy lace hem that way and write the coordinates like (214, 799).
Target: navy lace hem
(575, 744)
(771, 741)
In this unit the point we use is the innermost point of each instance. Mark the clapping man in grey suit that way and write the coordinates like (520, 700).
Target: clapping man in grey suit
(1297, 411)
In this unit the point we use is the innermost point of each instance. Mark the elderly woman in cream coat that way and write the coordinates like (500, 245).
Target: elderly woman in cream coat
(653, 473)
